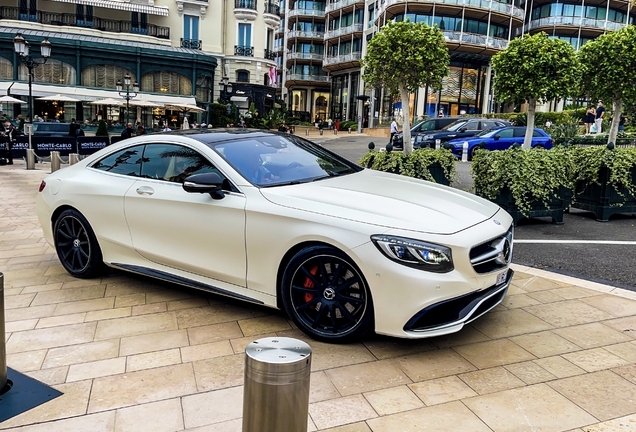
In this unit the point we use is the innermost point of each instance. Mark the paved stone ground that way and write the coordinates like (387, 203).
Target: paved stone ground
(134, 354)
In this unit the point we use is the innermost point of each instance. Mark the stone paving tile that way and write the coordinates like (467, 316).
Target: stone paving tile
(592, 335)
(162, 416)
(596, 359)
(508, 323)
(220, 372)
(213, 407)
(622, 424)
(338, 412)
(442, 390)
(545, 344)
(214, 333)
(96, 369)
(491, 380)
(559, 367)
(157, 341)
(615, 306)
(530, 372)
(393, 400)
(206, 351)
(82, 353)
(26, 361)
(493, 353)
(153, 360)
(263, 325)
(568, 313)
(321, 388)
(135, 325)
(433, 364)
(51, 337)
(366, 377)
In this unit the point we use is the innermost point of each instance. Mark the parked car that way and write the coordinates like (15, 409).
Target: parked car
(276, 220)
(460, 129)
(500, 139)
(427, 125)
(50, 129)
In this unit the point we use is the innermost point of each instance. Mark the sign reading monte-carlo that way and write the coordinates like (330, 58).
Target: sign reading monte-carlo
(43, 146)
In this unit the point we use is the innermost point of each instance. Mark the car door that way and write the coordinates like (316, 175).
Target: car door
(189, 231)
(519, 135)
(469, 129)
(503, 139)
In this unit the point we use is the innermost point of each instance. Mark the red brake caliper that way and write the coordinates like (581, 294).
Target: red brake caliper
(309, 284)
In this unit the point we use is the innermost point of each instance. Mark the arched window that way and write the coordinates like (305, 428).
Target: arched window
(242, 76)
(53, 71)
(6, 69)
(204, 89)
(166, 82)
(105, 76)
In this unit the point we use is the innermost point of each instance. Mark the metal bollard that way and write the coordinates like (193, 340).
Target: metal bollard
(30, 159)
(276, 385)
(55, 161)
(438, 144)
(306, 132)
(73, 158)
(349, 130)
(465, 152)
(335, 131)
(3, 349)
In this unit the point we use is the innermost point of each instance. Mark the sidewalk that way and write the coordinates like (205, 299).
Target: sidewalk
(133, 354)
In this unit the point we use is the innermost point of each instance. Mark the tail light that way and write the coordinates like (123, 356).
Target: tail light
(42, 186)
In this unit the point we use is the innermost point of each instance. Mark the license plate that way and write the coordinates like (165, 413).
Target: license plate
(501, 278)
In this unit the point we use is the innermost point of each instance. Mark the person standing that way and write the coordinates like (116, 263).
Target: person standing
(394, 129)
(128, 132)
(590, 116)
(600, 112)
(10, 132)
(329, 123)
(73, 127)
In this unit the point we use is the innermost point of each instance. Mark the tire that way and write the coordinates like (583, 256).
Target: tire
(326, 295)
(76, 245)
(539, 147)
(473, 151)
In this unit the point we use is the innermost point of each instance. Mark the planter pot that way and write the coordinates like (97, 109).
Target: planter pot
(438, 174)
(555, 208)
(604, 199)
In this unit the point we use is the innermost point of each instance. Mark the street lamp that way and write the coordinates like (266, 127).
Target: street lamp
(127, 94)
(226, 90)
(21, 47)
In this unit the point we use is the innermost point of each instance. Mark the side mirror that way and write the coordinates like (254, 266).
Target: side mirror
(496, 137)
(205, 183)
(462, 129)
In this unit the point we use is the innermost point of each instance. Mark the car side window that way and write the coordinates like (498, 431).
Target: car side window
(520, 132)
(126, 162)
(471, 126)
(174, 163)
(536, 133)
(505, 133)
(487, 124)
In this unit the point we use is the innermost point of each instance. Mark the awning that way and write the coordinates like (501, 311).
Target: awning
(89, 94)
(121, 5)
(238, 98)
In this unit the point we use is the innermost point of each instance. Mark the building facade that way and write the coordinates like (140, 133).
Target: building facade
(474, 30)
(178, 51)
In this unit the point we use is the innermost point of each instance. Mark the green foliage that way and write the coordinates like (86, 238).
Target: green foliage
(345, 125)
(620, 162)
(406, 54)
(556, 117)
(218, 117)
(274, 118)
(416, 164)
(535, 67)
(530, 175)
(102, 129)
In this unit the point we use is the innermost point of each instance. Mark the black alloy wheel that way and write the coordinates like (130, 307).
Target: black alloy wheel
(473, 151)
(539, 147)
(326, 295)
(76, 245)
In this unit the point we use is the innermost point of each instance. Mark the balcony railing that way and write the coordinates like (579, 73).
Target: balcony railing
(245, 51)
(354, 56)
(191, 43)
(69, 19)
(307, 12)
(345, 30)
(477, 39)
(495, 6)
(574, 21)
(306, 34)
(271, 8)
(270, 54)
(342, 3)
(305, 56)
(306, 77)
(245, 4)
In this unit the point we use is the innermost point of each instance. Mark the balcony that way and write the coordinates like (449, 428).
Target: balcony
(345, 58)
(344, 30)
(271, 15)
(304, 56)
(271, 8)
(245, 51)
(245, 10)
(306, 34)
(270, 54)
(320, 13)
(574, 21)
(342, 3)
(70, 19)
(495, 6)
(305, 79)
(475, 39)
(191, 44)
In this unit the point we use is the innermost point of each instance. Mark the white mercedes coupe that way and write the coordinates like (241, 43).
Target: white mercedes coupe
(276, 220)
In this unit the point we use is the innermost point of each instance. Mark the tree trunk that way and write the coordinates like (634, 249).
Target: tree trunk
(406, 125)
(616, 119)
(532, 107)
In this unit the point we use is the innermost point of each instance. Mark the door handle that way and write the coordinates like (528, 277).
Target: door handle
(145, 190)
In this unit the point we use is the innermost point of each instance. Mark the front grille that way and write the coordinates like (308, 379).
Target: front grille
(494, 254)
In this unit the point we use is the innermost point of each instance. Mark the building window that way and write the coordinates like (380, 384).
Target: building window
(190, 28)
(166, 82)
(139, 23)
(6, 69)
(242, 76)
(204, 89)
(84, 15)
(53, 71)
(105, 76)
(28, 10)
(245, 35)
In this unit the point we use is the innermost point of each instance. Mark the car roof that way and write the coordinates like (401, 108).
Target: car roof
(211, 136)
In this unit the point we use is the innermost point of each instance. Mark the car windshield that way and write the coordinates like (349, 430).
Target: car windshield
(488, 132)
(454, 126)
(282, 160)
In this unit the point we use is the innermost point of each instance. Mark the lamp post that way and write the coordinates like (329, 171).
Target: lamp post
(226, 91)
(127, 94)
(21, 47)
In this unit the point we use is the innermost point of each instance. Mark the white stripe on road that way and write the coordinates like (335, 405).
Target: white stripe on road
(607, 242)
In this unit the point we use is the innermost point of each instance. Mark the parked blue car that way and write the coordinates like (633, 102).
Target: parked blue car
(500, 139)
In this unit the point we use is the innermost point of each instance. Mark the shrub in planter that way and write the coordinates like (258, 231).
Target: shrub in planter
(102, 129)
(526, 183)
(426, 164)
(605, 180)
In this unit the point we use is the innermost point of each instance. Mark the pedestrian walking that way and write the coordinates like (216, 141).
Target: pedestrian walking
(590, 116)
(320, 126)
(600, 112)
(329, 123)
(394, 129)
(10, 133)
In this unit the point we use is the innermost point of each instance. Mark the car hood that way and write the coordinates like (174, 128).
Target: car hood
(387, 200)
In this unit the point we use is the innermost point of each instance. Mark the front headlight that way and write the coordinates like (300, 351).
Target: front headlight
(415, 253)
(428, 137)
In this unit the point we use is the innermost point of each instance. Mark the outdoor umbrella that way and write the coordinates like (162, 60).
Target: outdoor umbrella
(108, 101)
(183, 107)
(60, 98)
(11, 100)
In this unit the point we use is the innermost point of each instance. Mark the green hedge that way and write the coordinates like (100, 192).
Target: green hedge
(416, 165)
(557, 118)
